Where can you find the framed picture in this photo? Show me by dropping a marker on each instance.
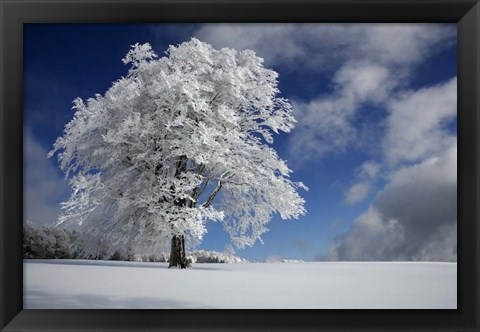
(401, 128)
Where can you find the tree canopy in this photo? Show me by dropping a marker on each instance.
(181, 140)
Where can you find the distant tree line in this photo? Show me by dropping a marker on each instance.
(50, 242)
(204, 256)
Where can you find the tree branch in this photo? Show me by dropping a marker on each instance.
(198, 192)
(212, 195)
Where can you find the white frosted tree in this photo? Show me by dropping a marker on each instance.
(181, 140)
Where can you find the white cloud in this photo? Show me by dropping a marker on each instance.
(326, 124)
(323, 126)
(364, 180)
(404, 44)
(44, 186)
(277, 43)
(368, 170)
(357, 193)
(413, 218)
(416, 126)
(326, 46)
(363, 81)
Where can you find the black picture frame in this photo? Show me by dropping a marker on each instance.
(14, 13)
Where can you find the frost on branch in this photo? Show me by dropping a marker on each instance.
(181, 140)
(139, 54)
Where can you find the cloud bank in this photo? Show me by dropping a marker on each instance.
(413, 218)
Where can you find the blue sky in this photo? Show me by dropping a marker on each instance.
(375, 139)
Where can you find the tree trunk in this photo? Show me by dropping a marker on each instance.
(178, 257)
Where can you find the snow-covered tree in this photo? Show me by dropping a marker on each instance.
(181, 140)
(46, 242)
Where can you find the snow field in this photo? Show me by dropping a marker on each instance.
(62, 284)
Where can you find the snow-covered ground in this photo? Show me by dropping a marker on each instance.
(346, 285)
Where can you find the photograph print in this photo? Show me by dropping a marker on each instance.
(240, 166)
